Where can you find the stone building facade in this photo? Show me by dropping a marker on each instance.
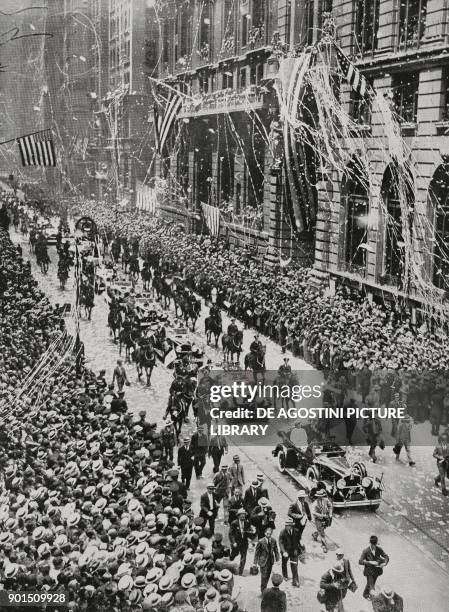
(219, 53)
(401, 48)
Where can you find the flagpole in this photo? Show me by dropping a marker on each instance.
(18, 137)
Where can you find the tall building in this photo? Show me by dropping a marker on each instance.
(22, 80)
(218, 55)
(126, 104)
(402, 51)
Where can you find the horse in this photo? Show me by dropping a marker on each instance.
(114, 321)
(192, 309)
(126, 339)
(213, 327)
(162, 290)
(145, 359)
(176, 408)
(256, 363)
(42, 258)
(87, 297)
(232, 345)
(146, 276)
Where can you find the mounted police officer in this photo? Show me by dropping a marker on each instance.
(285, 370)
(232, 329)
(256, 346)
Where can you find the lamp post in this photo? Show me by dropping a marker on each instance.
(85, 229)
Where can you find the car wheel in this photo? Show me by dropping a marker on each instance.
(359, 469)
(281, 462)
(312, 473)
(374, 507)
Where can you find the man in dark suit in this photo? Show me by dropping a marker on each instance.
(235, 504)
(199, 445)
(262, 489)
(274, 600)
(239, 534)
(374, 559)
(185, 462)
(299, 511)
(267, 553)
(251, 497)
(237, 474)
(290, 547)
(209, 506)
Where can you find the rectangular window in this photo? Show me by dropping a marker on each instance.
(242, 78)
(405, 96)
(228, 79)
(245, 28)
(308, 13)
(203, 83)
(412, 22)
(253, 75)
(445, 94)
(366, 26)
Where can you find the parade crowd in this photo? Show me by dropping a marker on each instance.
(90, 507)
(94, 505)
(368, 342)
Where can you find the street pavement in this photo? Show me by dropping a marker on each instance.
(412, 524)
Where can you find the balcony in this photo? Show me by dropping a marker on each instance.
(225, 101)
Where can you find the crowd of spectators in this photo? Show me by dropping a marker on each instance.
(337, 332)
(89, 506)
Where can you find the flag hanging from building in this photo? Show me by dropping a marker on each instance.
(37, 149)
(212, 217)
(165, 114)
(146, 198)
(352, 74)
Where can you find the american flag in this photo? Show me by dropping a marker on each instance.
(212, 217)
(37, 149)
(164, 118)
(352, 75)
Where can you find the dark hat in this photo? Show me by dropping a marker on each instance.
(276, 579)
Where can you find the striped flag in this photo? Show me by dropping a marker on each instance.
(165, 117)
(37, 149)
(212, 216)
(351, 74)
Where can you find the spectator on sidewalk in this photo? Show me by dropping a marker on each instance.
(387, 600)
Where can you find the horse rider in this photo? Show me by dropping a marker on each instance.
(285, 370)
(214, 311)
(256, 346)
(232, 329)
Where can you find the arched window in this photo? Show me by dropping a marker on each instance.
(439, 200)
(394, 227)
(356, 200)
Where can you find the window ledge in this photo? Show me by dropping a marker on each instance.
(442, 127)
(408, 128)
(364, 128)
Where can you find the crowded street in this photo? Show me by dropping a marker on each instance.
(224, 306)
(412, 519)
